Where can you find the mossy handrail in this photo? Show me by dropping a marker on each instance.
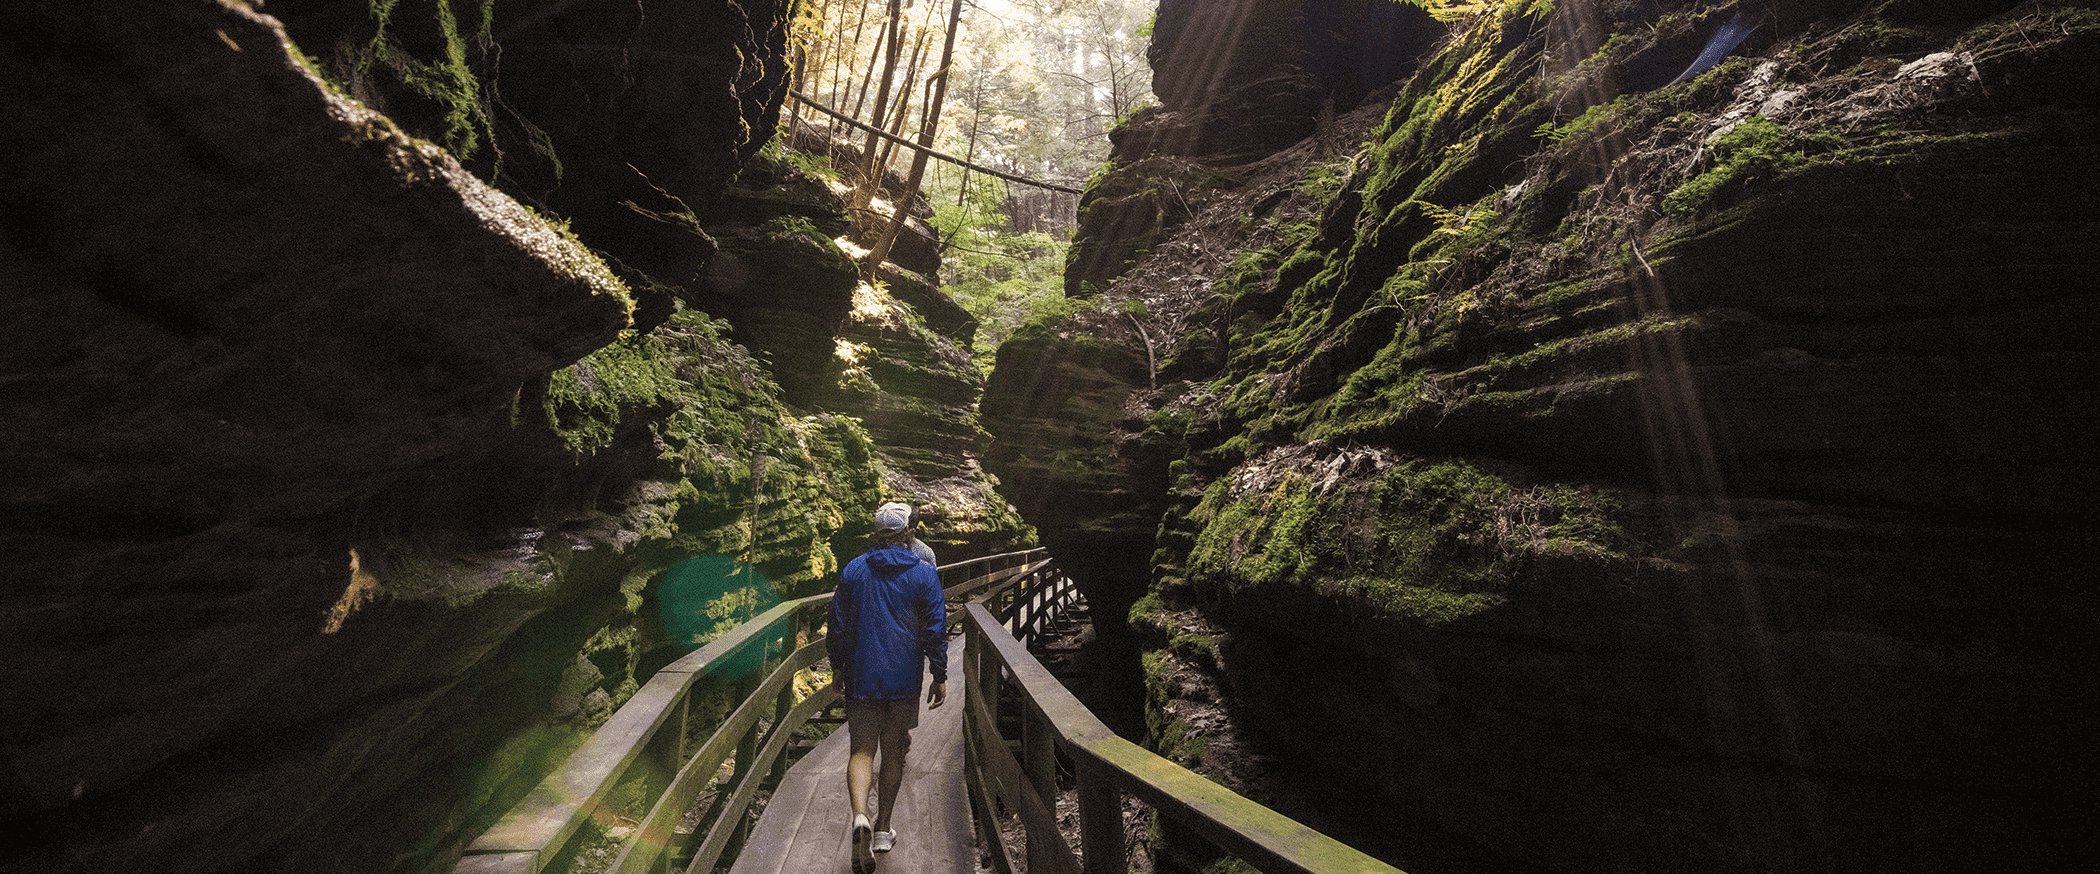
(1107, 767)
(542, 825)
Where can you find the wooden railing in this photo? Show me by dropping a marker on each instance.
(646, 738)
(1106, 768)
(1008, 601)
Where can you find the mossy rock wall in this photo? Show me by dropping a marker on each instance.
(358, 460)
(1585, 472)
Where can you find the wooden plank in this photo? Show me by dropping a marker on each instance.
(718, 837)
(782, 826)
(805, 827)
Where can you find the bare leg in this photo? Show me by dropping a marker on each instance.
(896, 742)
(860, 770)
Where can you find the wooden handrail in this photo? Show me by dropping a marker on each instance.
(926, 150)
(990, 584)
(536, 831)
(524, 840)
(1004, 562)
(1108, 765)
(651, 846)
(541, 826)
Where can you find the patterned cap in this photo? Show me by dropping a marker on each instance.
(892, 518)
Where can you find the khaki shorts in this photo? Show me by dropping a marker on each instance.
(876, 719)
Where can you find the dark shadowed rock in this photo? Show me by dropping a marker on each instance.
(299, 290)
(340, 500)
(240, 306)
(1587, 479)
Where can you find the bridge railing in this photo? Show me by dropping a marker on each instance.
(647, 738)
(1107, 767)
(1025, 598)
(1007, 600)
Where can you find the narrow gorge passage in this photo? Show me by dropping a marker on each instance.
(1527, 435)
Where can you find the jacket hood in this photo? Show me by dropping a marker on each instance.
(890, 559)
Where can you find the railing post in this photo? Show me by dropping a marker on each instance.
(1024, 616)
(1100, 824)
(786, 701)
(668, 752)
(988, 681)
(1039, 762)
(747, 753)
(1030, 608)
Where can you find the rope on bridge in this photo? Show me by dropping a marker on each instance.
(931, 152)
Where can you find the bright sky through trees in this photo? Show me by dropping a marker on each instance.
(1034, 87)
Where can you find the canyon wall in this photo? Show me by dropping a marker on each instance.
(1572, 458)
(370, 371)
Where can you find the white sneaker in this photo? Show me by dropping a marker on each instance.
(863, 859)
(885, 840)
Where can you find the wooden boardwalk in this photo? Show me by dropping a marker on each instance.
(804, 829)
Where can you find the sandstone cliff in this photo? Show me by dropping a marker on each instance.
(1550, 467)
(370, 371)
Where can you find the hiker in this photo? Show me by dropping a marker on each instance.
(919, 547)
(889, 624)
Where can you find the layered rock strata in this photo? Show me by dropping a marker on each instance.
(369, 377)
(1589, 478)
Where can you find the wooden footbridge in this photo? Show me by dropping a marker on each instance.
(965, 776)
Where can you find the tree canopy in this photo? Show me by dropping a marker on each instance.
(1031, 88)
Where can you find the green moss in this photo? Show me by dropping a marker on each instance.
(815, 166)
(1757, 148)
(1593, 122)
(1324, 180)
(1425, 542)
(447, 79)
(1170, 736)
(585, 401)
(1198, 649)
(737, 473)
(1149, 616)
(1230, 865)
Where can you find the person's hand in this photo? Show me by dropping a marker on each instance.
(937, 694)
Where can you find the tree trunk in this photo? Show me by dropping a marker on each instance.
(891, 46)
(962, 194)
(897, 115)
(860, 100)
(882, 247)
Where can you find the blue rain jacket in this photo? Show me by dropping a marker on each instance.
(888, 622)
